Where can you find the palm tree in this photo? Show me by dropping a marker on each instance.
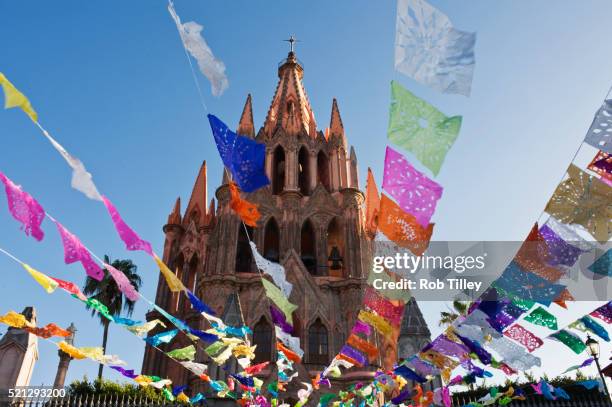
(107, 292)
(460, 308)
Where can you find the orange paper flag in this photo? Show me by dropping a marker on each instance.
(402, 227)
(363, 346)
(533, 256)
(244, 209)
(48, 331)
(372, 201)
(291, 355)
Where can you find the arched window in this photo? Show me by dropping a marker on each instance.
(278, 170)
(271, 249)
(335, 248)
(318, 349)
(304, 171)
(323, 170)
(308, 247)
(244, 257)
(262, 337)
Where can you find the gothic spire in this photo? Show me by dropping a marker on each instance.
(290, 108)
(246, 126)
(175, 216)
(199, 196)
(413, 322)
(335, 124)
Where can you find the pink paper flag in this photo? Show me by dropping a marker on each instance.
(524, 337)
(414, 191)
(123, 283)
(75, 251)
(24, 208)
(130, 238)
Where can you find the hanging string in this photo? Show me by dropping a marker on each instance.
(193, 74)
(582, 143)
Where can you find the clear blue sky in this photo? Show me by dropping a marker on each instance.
(111, 82)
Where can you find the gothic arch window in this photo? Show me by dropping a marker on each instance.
(318, 345)
(244, 257)
(262, 337)
(323, 170)
(308, 251)
(335, 247)
(278, 170)
(271, 249)
(304, 171)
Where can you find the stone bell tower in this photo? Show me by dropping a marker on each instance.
(312, 222)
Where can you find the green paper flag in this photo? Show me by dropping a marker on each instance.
(540, 316)
(275, 294)
(186, 353)
(215, 348)
(420, 128)
(325, 399)
(168, 394)
(101, 308)
(570, 340)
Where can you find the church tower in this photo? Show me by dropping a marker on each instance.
(312, 222)
(18, 354)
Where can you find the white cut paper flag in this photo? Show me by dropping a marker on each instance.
(274, 270)
(431, 51)
(194, 43)
(289, 341)
(81, 179)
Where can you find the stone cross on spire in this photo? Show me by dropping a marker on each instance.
(292, 40)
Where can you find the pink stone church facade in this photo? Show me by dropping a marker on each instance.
(312, 223)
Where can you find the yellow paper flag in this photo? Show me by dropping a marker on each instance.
(47, 283)
(71, 350)
(14, 98)
(279, 299)
(15, 320)
(174, 284)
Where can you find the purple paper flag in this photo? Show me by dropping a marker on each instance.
(361, 327)
(127, 373)
(354, 354)
(414, 191)
(24, 208)
(130, 238)
(75, 251)
(278, 318)
(559, 251)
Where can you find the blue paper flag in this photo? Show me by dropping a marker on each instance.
(126, 321)
(595, 327)
(198, 304)
(205, 336)
(408, 374)
(197, 398)
(177, 390)
(603, 265)
(162, 337)
(527, 286)
(243, 157)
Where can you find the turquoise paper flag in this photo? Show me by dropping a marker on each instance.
(420, 128)
(162, 337)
